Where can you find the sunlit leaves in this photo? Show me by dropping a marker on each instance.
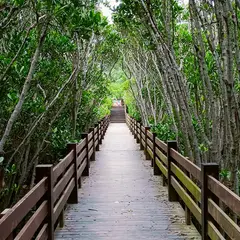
(71, 25)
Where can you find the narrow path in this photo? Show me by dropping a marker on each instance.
(122, 200)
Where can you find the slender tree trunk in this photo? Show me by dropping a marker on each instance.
(25, 89)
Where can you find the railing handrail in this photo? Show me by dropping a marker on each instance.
(198, 188)
(42, 208)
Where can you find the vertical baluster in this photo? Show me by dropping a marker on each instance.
(172, 194)
(86, 170)
(41, 172)
(207, 169)
(147, 155)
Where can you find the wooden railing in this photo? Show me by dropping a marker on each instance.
(198, 188)
(39, 212)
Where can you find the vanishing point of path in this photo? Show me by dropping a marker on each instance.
(122, 200)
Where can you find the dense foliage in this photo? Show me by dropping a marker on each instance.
(62, 64)
(54, 82)
(182, 62)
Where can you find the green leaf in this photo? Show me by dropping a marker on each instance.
(13, 168)
(97, 17)
(9, 96)
(21, 69)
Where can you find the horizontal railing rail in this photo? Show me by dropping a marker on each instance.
(204, 197)
(38, 213)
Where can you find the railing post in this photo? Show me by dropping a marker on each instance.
(97, 126)
(41, 172)
(154, 150)
(104, 125)
(207, 169)
(100, 132)
(137, 131)
(187, 210)
(135, 122)
(132, 126)
(134, 129)
(73, 198)
(131, 121)
(156, 170)
(172, 194)
(86, 170)
(103, 128)
(141, 138)
(93, 157)
(147, 155)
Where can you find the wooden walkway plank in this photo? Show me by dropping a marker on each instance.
(118, 114)
(122, 200)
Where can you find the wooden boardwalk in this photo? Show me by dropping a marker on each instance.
(122, 200)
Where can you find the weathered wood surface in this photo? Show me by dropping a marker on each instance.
(123, 200)
(118, 115)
